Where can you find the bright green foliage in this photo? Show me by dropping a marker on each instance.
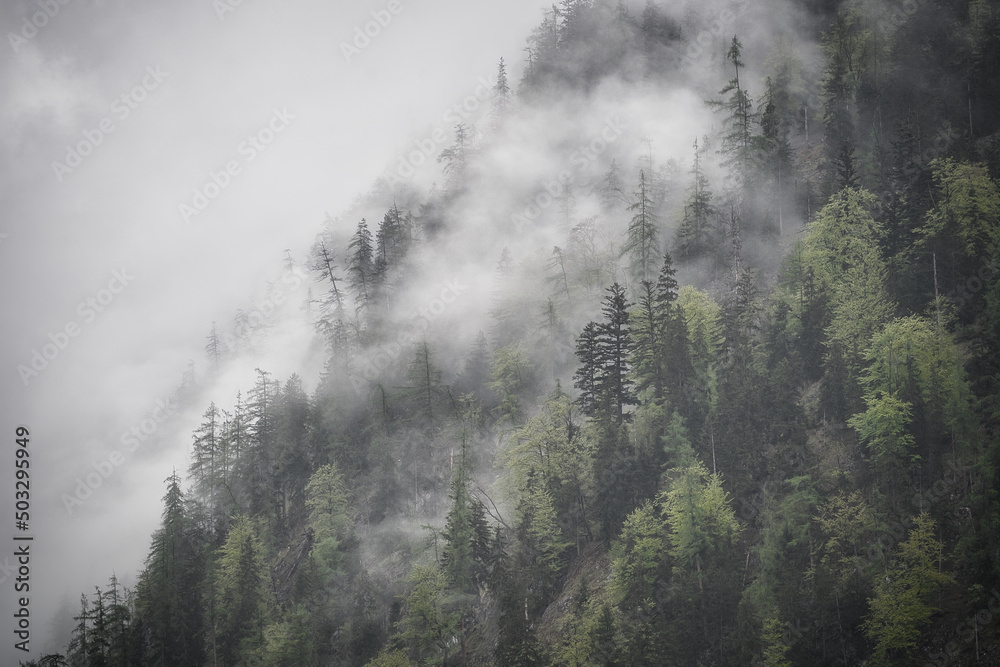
(387, 658)
(552, 446)
(860, 304)
(843, 235)
(638, 554)
(427, 626)
(775, 645)
(703, 318)
(326, 502)
(242, 592)
(541, 540)
(841, 253)
(699, 516)
(882, 427)
(509, 377)
(918, 361)
(288, 642)
(962, 226)
(902, 603)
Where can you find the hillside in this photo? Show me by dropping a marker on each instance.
(688, 356)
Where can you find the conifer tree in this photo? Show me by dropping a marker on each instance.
(242, 598)
(614, 345)
(695, 236)
(737, 142)
(641, 245)
(166, 598)
(501, 92)
(466, 534)
(362, 266)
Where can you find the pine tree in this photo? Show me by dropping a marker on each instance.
(214, 347)
(695, 236)
(79, 650)
(424, 389)
(614, 345)
(166, 598)
(206, 462)
(588, 373)
(241, 594)
(501, 92)
(331, 320)
(641, 246)
(455, 156)
(362, 266)
(612, 191)
(293, 460)
(465, 533)
(737, 142)
(258, 460)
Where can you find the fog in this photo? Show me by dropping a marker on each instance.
(221, 70)
(221, 135)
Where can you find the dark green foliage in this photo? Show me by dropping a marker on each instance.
(757, 467)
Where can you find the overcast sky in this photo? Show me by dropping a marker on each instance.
(115, 113)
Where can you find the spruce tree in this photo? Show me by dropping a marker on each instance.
(641, 245)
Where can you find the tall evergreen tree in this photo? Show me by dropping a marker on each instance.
(362, 266)
(167, 599)
(641, 245)
(696, 236)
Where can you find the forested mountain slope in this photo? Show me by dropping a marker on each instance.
(725, 393)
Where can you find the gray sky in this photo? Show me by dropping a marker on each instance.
(155, 99)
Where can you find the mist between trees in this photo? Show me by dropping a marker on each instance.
(731, 401)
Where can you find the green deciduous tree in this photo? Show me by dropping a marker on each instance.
(902, 603)
(427, 626)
